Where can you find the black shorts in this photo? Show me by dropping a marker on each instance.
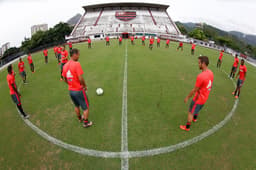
(234, 69)
(23, 74)
(240, 83)
(195, 108)
(16, 99)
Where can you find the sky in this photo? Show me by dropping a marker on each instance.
(19, 15)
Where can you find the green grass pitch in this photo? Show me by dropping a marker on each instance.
(158, 82)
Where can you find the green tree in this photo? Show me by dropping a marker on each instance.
(197, 34)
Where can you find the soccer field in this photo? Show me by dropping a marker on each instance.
(157, 83)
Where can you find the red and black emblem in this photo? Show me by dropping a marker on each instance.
(126, 15)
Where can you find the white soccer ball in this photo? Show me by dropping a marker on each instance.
(99, 91)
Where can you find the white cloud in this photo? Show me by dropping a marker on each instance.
(17, 16)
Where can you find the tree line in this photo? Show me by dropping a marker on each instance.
(209, 33)
(42, 39)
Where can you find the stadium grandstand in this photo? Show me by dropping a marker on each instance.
(116, 19)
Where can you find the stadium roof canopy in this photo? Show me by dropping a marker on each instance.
(126, 4)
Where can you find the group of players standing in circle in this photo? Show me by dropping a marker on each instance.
(72, 73)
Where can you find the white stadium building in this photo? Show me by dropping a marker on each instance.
(124, 19)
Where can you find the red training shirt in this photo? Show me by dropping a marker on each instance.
(242, 71)
(64, 55)
(21, 66)
(30, 61)
(204, 82)
(11, 80)
(221, 55)
(45, 52)
(236, 62)
(71, 71)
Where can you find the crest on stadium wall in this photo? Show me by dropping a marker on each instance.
(125, 15)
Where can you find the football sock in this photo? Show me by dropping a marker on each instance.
(21, 110)
(195, 116)
(86, 121)
(188, 125)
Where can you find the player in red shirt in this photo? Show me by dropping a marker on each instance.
(180, 46)
(55, 49)
(107, 41)
(167, 43)
(234, 67)
(15, 95)
(120, 40)
(151, 43)
(89, 43)
(242, 75)
(21, 66)
(73, 76)
(45, 55)
(201, 90)
(193, 47)
(70, 45)
(132, 40)
(64, 60)
(31, 64)
(59, 49)
(143, 40)
(219, 62)
(158, 42)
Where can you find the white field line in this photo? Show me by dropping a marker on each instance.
(124, 155)
(124, 147)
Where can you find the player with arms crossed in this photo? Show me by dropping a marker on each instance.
(73, 76)
(242, 75)
(201, 90)
(15, 95)
(234, 67)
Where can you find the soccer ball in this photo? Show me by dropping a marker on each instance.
(99, 91)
